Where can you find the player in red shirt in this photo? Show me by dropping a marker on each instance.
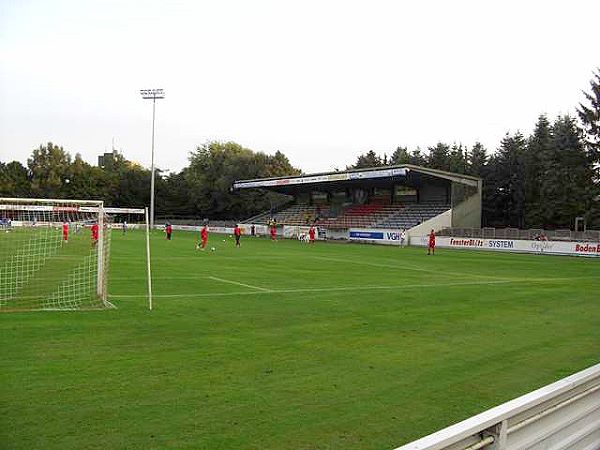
(168, 231)
(203, 238)
(237, 232)
(273, 230)
(431, 246)
(311, 235)
(95, 234)
(65, 230)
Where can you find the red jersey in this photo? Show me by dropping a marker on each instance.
(237, 231)
(169, 229)
(95, 232)
(432, 240)
(65, 228)
(311, 234)
(204, 233)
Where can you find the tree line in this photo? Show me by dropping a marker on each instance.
(202, 189)
(544, 180)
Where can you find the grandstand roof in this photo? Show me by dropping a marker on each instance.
(378, 175)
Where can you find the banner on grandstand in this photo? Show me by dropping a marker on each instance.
(378, 236)
(311, 179)
(515, 245)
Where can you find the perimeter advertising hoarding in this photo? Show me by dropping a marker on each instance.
(219, 230)
(259, 229)
(515, 245)
(378, 236)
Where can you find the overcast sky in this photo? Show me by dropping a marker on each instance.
(322, 81)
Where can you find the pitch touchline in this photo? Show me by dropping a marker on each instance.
(239, 284)
(330, 289)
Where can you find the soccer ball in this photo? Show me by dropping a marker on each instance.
(212, 249)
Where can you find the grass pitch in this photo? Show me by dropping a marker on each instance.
(282, 345)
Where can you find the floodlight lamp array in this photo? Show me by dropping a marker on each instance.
(152, 93)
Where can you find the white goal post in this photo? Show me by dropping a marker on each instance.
(54, 254)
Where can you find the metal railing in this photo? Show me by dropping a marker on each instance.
(562, 415)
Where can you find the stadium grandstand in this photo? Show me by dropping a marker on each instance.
(396, 197)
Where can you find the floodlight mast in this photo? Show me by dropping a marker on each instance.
(152, 94)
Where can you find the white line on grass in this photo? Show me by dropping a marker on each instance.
(325, 289)
(239, 284)
(402, 267)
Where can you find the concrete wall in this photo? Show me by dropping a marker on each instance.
(468, 213)
(436, 223)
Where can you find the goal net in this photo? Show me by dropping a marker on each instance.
(54, 254)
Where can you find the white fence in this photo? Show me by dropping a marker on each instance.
(562, 415)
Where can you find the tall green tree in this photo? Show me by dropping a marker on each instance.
(14, 180)
(369, 159)
(589, 115)
(49, 168)
(215, 166)
(457, 159)
(400, 156)
(536, 159)
(568, 184)
(505, 204)
(439, 156)
(477, 160)
(417, 157)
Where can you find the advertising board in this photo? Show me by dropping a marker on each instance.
(374, 235)
(515, 245)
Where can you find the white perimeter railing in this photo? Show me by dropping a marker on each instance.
(562, 415)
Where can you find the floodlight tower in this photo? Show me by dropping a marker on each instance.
(152, 94)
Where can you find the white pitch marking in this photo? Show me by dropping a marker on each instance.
(330, 289)
(239, 284)
(399, 266)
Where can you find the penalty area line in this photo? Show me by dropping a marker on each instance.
(222, 280)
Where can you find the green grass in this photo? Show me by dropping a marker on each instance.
(328, 346)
